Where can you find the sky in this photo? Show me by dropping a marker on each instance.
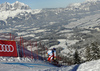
(39, 4)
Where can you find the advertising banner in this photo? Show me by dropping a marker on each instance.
(8, 48)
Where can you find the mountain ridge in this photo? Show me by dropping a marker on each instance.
(17, 5)
(46, 16)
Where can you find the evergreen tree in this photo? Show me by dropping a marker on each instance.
(88, 54)
(95, 51)
(76, 58)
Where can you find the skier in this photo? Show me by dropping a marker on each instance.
(52, 55)
(49, 52)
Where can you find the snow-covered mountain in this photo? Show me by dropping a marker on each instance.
(12, 10)
(91, 0)
(67, 26)
(46, 16)
(17, 5)
(18, 17)
(88, 5)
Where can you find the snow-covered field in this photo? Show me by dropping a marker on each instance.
(23, 64)
(64, 44)
(27, 64)
(85, 22)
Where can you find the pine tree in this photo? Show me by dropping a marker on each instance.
(96, 51)
(93, 52)
(88, 54)
(77, 59)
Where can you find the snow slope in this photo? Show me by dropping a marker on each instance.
(85, 22)
(64, 44)
(27, 64)
(90, 66)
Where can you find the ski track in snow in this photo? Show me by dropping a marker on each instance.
(27, 64)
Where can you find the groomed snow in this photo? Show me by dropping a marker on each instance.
(23, 64)
(90, 66)
(28, 64)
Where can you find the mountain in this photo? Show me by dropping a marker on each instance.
(90, 5)
(48, 19)
(91, 0)
(75, 26)
(17, 5)
(45, 17)
(19, 15)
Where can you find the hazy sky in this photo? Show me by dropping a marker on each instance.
(38, 4)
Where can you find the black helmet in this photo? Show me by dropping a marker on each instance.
(54, 49)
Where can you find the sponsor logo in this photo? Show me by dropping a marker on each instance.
(6, 48)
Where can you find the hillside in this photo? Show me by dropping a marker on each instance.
(26, 64)
(75, 27)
